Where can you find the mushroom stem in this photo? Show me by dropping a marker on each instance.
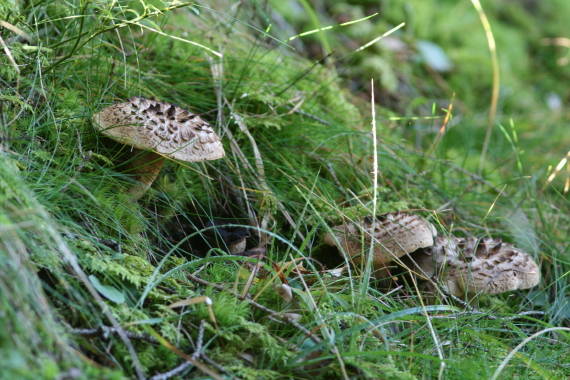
(146, 166)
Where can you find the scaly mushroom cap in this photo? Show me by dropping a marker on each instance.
(473, 266)
(160, 127)
(394, 235)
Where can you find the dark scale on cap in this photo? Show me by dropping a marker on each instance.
(171, 112)
(184, 120)
(153, 108)
(172, 128)
(381, 218)
(187, 135)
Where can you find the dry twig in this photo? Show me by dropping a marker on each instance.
(105, 331)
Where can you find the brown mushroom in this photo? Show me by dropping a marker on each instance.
(394, 235)
(160, 129)
(469, 266)
(234, 237)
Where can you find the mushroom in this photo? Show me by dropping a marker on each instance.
(394, 235)
(160, 129)
(467, 266)
(234, 238)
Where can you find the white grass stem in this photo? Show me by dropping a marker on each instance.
(329, 27)
(370, 43)
(369, 257)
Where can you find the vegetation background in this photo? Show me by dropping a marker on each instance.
(471, 122)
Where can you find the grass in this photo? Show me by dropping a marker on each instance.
(88, 277)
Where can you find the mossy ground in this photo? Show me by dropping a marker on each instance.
(77, 254)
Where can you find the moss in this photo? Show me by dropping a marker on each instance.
(63, 186)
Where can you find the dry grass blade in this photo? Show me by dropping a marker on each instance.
(191, 301)
(370, 43)
(564, 162)
(309, 32)
(196, 300)
(12, 61)
(15, 29)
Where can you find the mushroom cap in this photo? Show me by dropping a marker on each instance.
(472, 266)
(234, 237)
(394, 234)
(160, 127)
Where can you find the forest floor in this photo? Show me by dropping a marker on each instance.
(328, 112)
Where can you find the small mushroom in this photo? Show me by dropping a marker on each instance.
(234, 238)
(394, 235)
(160, 129)
(468, 266)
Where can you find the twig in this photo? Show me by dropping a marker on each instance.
(196, 355)
(259, 306)
(313, 117)
(209, 360)
(173, 372)
(199, 340)
(110, 243)
(105, 331)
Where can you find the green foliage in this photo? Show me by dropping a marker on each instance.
(77, 253)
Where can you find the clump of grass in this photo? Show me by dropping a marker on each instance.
(299, 158)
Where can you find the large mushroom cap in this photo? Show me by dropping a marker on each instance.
(160, 127)
(394, 235)
(473, 266)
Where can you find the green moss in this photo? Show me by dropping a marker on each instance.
(303, 157)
